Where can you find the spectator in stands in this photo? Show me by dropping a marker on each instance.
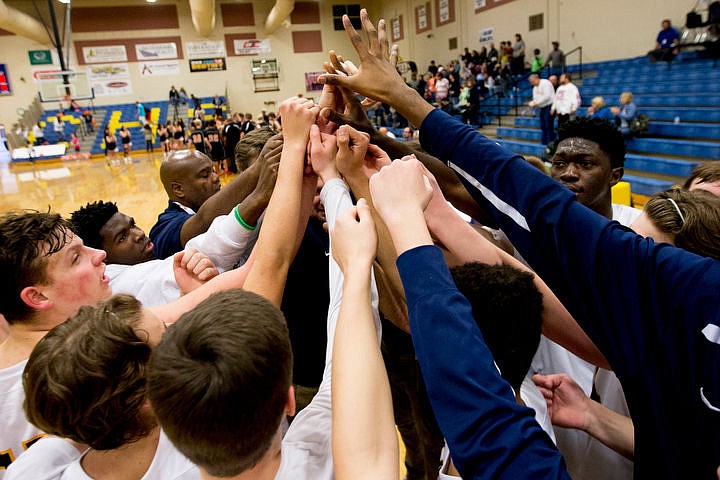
(537, 61)
(553, 79)
(432, 68)
(247, 125)
(59, 128)
(687, 219)
(493, 57)
(556, 60)
(38, 134)
(218, 103)
(625, 113)
(183, 96)
(197, 104)
(174, 96)
(75, 142)
(666, 43)
(442, 87)
(705, 176)
(407, 134)
(273, 122)
(567, 100)
(517, 65)
(598, 109)
(543, 97)
(89, 121)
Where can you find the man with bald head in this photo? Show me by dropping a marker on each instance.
(195, 197)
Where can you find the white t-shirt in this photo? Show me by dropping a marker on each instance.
(17, 432)
(307, 447)
(587, 458)
(226, 243)
(55, 459)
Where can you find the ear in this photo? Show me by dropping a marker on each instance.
(616, 175)
(177, 189)
(290, 404)
(34, 298)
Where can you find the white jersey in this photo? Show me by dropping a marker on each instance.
(56, 459)
(587, 458)
(17, 433)
(306, 447)
(226, 243)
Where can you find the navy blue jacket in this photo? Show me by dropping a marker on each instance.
(652, 309)
(165, 234)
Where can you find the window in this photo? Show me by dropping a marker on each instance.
(535, 22)
(352, 11)
(452, 43)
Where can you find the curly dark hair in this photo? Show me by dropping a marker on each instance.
(599, 131)
(86, 379)
(88, 220)
(27, 240)
(507, 307)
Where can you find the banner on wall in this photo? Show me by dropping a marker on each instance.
(479, 4)
(204, 50)
(311, 81)
(422, 17)
(486, 35)
(108, 72)
(162, 67)
(4, 81)
(106, 88)
(207, 65)
(251, 47)
(105, 54)
(155, 51)
(37, 71)
(444, 11)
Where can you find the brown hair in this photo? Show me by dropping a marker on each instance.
(219, 381)
(698, 229)
(250, 146)
(707, 172)
(27, 240)
(85, 380)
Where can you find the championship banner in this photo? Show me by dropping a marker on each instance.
(207, 65)
(105, 54)
(4, 82)
(251, 47)
(162, 67)
(155, 51)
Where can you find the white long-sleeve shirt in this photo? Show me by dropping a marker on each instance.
(543, 93)
(567, 99)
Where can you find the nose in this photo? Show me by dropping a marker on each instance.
(97, 255)
(569, 174)
(139, 234)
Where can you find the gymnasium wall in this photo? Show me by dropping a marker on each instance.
(606, 30)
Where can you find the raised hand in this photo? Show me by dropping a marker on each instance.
(354, 240)
(567, 403)
(323, 149)
(297, 114)
(400, 188)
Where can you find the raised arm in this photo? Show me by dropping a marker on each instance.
(364, 440)
(284, 213)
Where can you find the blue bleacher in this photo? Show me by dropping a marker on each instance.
(681, 101)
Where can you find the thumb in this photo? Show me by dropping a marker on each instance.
(315, 140)
(177, 259)
(363, 211)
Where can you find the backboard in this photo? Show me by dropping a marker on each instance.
(56, 86)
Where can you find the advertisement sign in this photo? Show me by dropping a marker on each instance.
(155, 51)
(207, 65)
(4, 81)
(107, 72)
(486, 35)
(251, 47)
(162, 67)
(206, 49)
(40, 57)
(104, 54)
(311, 82)
(106, 88)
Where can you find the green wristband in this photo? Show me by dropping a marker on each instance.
(240, 219)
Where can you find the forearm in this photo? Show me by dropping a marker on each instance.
(282, 218)
(612, 429)
(490, 435)
(220, 204)
(364, 438)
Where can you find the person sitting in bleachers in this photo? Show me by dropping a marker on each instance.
(666, 43)
(625, 113)
(598, 109)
